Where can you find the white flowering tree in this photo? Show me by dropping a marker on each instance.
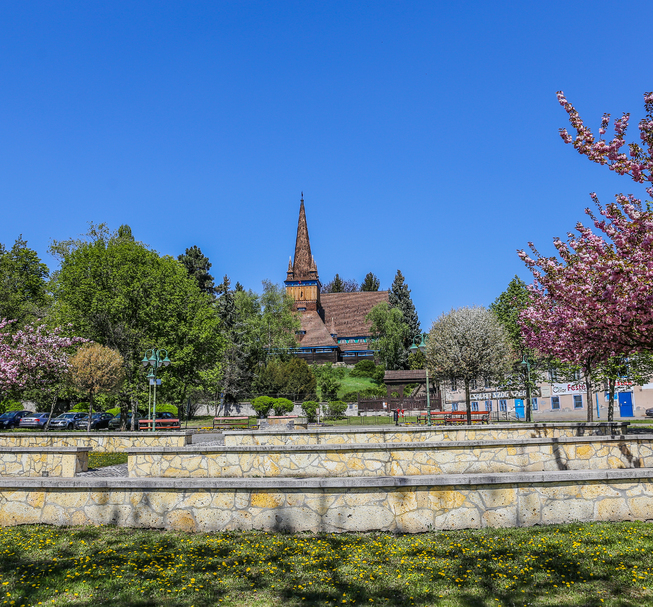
(467, 344)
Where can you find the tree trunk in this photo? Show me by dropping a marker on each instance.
(90, 410)
(468, 403)
(52, 406)
(611, 390)
(588, 392)
(529, 418)
(134, 427)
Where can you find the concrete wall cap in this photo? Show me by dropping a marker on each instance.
(443, 480)
(416, 446)
(44, 449)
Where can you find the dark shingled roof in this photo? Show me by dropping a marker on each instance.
(348, 310)
(317, 335)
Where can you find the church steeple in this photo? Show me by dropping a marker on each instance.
(303, 265)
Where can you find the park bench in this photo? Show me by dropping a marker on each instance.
(460, 417)
(159, 424)
(231, 422)
(437, 417)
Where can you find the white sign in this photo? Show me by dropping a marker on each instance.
(569, 388)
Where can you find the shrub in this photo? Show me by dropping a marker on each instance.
(262, 405)
(373, 392)
(363, 368)
(167, 408)
(282, 406)
(115, 411)
(9, 404)
(310, 408)
(337, 409)
(80, 408)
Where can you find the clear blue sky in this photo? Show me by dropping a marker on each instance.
(423, 134)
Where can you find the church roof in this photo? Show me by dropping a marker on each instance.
(347, 311)
(303, 263)
(317, 334)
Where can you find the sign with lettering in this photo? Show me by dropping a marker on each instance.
(568, 388)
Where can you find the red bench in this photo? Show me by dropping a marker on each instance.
(159, 424)
(455, 417)
(232, 422)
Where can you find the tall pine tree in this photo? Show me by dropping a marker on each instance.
(371, 282)
(399, 297)
(198, 265)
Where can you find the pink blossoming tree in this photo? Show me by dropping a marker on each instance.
(595, 300)
(34, 358)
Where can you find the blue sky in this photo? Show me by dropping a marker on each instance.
(424, 135)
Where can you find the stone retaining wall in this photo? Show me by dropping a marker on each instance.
(394, 434)
(396, 459)
(100, 442)
(400, 504)
(43, 461)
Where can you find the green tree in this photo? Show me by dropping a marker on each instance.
(198, 265)
(335, 286)
(371, 282)
(117, 292)
(23, 286)
(390, 334)
(399, 298)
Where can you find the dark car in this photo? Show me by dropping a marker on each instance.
(66, 421)
(34, 420)
(98, 421)
(114, 424)
(649, 412)
(11, 419)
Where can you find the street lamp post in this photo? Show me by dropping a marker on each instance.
(527, 364)
(422, 349)
(155, 358)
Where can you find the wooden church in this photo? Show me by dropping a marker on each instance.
(333, 325)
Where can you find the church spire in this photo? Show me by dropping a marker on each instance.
(303, 262)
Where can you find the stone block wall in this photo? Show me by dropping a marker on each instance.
(396, 459)
(394, 434)
(407, 505)
(100, 442)
(43, 461)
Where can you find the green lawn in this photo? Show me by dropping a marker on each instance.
(354, 384)
(102, 460)
(578, 564)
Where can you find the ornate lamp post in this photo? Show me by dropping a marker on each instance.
(155, 358)
(422, 349)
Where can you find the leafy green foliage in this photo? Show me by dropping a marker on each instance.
(352, 397)
(23, 287)
(336, 409)
(507, 308)
(293, 379)
(328, 378)
(9, 404)
(282, 406)
(363, 368)
(371, 282)
(338, 285)
(81, 407)
(262, 405)
(416, 360)
(114, 411)
(390, 334)
(167, 408)
(310, 408)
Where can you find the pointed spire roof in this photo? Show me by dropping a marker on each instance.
(303, 262)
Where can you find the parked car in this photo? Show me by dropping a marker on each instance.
(66, 421)
(114, 424)
(34, 420)
(649, 412)
(11, 419)
(99, 420)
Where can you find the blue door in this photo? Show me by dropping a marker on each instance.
(625, 404)
(519, 408)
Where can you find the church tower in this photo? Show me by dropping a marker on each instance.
(302, 280)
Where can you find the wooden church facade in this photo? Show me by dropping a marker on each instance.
(333, 325)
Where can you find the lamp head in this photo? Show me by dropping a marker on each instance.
(145, 361)
(166, 360)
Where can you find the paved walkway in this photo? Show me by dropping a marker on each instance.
(107, 471)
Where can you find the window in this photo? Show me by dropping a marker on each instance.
(475, 406)
(534, 404)
(578, 401)
(577, 375)
(301, 309)
(503, 405)
(488, 384)
(555, 402)
(355, 341)
(454, 386)
(553, 374)
(488, 405)
(454, 406)
(473, 384)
